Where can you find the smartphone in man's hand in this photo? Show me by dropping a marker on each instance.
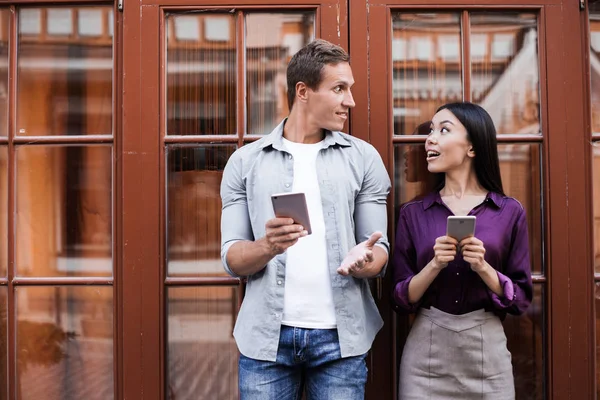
(292, 205)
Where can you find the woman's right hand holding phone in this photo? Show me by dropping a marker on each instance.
(444, 251)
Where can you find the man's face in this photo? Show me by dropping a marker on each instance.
(329, 104)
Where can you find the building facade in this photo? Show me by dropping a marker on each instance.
(117, 119)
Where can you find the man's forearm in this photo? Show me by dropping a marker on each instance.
(248, 257)
(380, 258)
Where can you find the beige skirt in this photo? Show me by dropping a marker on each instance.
(456, 357)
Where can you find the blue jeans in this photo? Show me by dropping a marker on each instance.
(305, 358)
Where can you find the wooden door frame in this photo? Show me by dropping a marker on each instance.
(143, 275)
(570, 322)
(568, 252)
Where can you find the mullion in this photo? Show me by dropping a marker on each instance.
(502, 139)
(62, 139)
(62, 281)
(465, 33)
(212, 139)
(10, 303)
(202, 281)
(241, 76)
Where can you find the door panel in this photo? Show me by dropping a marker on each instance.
(57, 180)
(495, 56)
(213, 80)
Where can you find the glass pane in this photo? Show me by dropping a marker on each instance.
(202, 356)
(521, 170)
(596, 203)
(194, 209)
(505, 77)
(201, 74)
(526, 342)
(65, 342)
(64, 81)
(64, 211)
(520, 166)
(3, 210)
(3, 343)
(427, 71)
(597, 297)
(271, 41)
(4, 32)
(411, 177)
(594, 15)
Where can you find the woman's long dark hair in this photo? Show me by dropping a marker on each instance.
(482, 135)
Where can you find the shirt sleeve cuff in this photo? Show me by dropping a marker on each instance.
(401, 302)
(381, 273)
(509, 292)
(224, 251)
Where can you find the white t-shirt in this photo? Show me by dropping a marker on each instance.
(308, 300)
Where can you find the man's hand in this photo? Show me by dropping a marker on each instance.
(282, 233)
(359, 256)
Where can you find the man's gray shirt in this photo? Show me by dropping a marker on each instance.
(354, 186)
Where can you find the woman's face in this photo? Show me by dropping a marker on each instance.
(447, 147)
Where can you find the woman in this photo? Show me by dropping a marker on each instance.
(461, 291)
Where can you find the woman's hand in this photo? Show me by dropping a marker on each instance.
(473, 251)
(445, 251)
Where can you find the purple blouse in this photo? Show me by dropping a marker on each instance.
(501, 226)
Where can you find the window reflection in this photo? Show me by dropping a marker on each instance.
(194, 209)
(201, 74)
(594, 24)
(3, 343)
(64, 77)
(4, 34)
(271, 41)
(596, 202)
(411, 177)
(427, 69)
(202, 355)
(597, 319)
(505, 70)
(3, 210)
(526, 342)
(64, 343)
(521, 170)
(64, 210)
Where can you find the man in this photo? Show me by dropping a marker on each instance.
(308, 318)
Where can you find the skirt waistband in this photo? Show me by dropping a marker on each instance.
(458, 323)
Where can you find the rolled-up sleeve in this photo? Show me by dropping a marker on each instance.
(404, 266)
(515, 279)
(370, 214)
(235, 219)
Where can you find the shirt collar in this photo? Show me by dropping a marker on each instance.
(434, 197)
(274, 139)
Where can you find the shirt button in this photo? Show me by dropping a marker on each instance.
(279, 282)
(458, 273)
(456, 301)
(276, 315)
(287, 185)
